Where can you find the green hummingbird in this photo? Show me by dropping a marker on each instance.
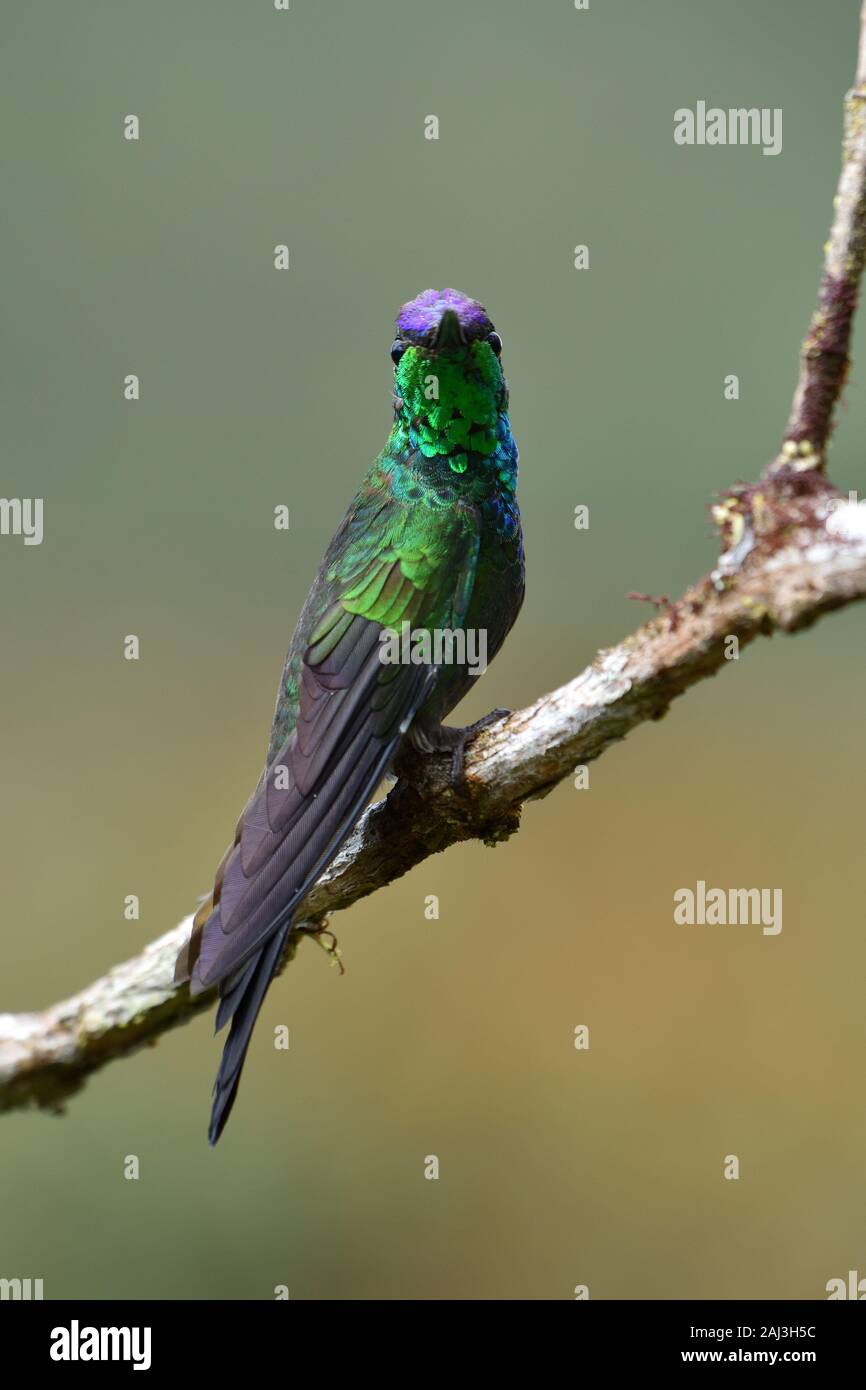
(431, 547)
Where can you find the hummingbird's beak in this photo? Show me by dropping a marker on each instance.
(449, 334)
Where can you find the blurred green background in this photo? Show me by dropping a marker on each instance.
(258, 388)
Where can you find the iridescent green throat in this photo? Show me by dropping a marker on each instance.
(449, 405)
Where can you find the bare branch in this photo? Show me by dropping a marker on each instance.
(824, 358)
(792, 550)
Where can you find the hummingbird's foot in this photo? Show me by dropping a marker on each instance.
(318, 932)
(458, 753)
(443, 738)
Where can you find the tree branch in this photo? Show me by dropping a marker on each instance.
(792, 550)
(824, 359)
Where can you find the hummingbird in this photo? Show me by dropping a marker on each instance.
(432, 544)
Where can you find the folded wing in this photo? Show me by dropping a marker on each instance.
(352, 711)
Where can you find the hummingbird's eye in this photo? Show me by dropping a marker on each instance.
(397, 350)
(495, 342)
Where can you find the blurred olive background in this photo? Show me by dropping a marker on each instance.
(454, 1037)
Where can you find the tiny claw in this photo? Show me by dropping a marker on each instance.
(458, 766)
(330, 947)
(458, 757)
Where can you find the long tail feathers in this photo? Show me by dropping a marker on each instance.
(241, 1001)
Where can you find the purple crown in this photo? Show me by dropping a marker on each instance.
(421, 315)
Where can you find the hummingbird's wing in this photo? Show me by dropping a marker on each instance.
(352, 711)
